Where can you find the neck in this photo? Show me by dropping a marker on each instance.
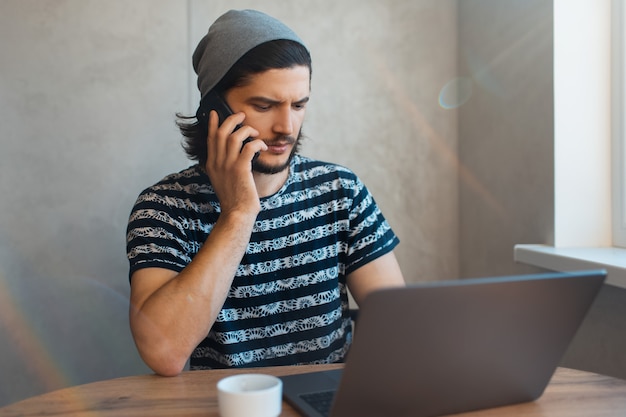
(268, 184)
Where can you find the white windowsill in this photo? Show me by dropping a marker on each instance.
(569, 259)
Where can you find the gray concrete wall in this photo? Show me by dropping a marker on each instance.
(88, 92)
(506, 132)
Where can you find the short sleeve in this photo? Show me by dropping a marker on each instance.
(370, 233)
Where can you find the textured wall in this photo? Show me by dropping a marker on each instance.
(88, 90)
(506, 132)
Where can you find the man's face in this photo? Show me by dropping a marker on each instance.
(274, 102)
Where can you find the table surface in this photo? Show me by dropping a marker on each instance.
(571, 393)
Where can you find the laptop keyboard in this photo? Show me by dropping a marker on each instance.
(320, 401)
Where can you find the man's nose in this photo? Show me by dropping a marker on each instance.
(283, 123)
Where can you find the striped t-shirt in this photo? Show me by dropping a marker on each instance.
(288, 302)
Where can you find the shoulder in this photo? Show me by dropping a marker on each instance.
(190, 181)
(308, 168)
(327, 180)
(188, 189)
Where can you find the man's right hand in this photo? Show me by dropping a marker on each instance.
(229, 163)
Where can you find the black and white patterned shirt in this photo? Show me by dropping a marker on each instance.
(288, 302)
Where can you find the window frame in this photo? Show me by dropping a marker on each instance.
(618, 142)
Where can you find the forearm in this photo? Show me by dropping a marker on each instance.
(173, 319)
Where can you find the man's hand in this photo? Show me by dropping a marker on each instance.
(229, 163)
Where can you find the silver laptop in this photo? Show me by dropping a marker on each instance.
(448, 347)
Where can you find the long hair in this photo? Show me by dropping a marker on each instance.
(278, 54)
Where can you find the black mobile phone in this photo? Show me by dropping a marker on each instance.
(214, 101)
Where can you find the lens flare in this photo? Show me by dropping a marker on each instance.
(455, 93)
(446, 152)
(15, 325)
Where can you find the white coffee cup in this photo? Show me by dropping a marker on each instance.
(250, 395)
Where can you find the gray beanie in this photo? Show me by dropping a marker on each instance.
(229, 38)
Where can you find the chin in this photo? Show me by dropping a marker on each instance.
(263, 167)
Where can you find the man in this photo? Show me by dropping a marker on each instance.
(233, 266)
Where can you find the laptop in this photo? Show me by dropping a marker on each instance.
(446, 347)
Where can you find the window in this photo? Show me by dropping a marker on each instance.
(590, 141)
(582, 123)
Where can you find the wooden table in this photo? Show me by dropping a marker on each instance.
(570, 394)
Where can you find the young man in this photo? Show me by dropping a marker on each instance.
(244, 259)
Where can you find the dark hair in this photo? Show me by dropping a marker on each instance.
(275, 54)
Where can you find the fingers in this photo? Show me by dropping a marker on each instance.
(252, 148)
(229, 166)
(212, 143)
(225, 142)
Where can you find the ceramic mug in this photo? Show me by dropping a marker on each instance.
(250, 395)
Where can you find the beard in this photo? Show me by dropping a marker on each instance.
(262, 168)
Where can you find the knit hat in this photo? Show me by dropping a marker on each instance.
(229, 38)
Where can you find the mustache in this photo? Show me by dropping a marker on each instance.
(290, 140)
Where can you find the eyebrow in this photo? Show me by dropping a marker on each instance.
(266, 100)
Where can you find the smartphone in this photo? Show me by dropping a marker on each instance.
(214, 101)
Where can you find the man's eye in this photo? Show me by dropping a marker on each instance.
(261, 107)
